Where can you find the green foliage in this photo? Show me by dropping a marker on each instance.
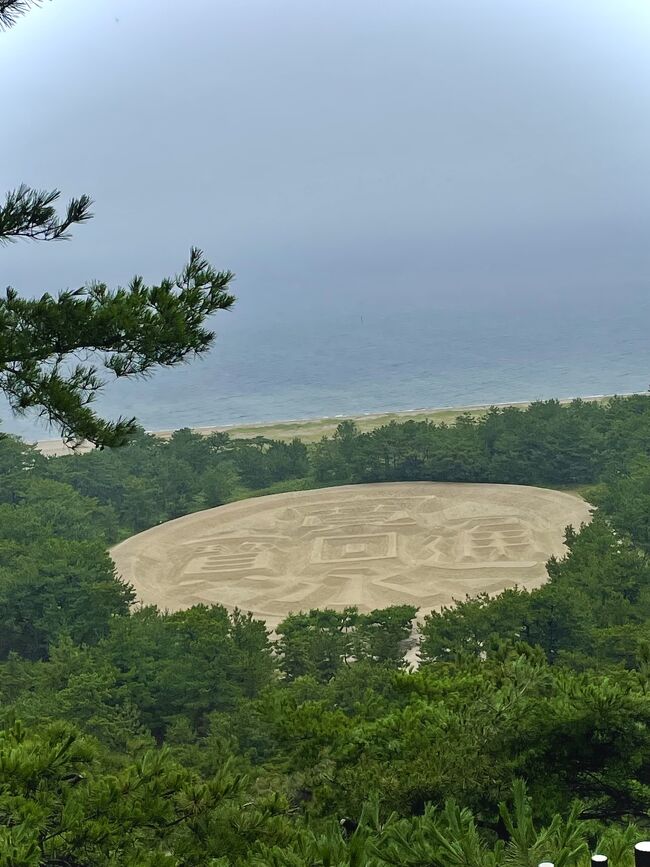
(320, 643)
(194, 739)
(55, 575)
(60, 805)
(152, 480)
(546, 444)
(602, 586)
(188, 664)
(130, 330)
(51, 348)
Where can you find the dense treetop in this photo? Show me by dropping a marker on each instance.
(145, 737)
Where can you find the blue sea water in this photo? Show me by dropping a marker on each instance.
(343, 362)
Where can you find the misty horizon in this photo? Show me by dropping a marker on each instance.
(328, 152)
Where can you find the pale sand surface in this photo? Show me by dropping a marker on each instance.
(312, 430)
(422, 543)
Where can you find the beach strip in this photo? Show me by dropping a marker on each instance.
(313, 429)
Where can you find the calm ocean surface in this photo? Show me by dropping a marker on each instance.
(374, 361)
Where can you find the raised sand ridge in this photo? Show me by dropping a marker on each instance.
(422, 543)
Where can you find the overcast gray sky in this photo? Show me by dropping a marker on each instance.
(338, 151)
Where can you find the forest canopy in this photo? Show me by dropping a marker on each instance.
(135, 736)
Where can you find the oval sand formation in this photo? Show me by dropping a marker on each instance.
(419, 543)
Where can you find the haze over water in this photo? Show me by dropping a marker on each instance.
(379, 361)
(425, 204)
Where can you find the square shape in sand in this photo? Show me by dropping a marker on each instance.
(344, 549)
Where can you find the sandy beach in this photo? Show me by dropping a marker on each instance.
(311, 430)
(420, 543)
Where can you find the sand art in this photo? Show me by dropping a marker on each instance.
(422, 543)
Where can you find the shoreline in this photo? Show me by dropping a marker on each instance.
(313, 429)
(371, 416)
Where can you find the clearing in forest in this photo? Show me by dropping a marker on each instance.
(418, 543)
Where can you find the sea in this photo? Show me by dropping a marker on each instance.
(345, 362)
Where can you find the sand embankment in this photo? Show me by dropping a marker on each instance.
(421, 543)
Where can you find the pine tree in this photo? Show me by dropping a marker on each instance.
(52, 348)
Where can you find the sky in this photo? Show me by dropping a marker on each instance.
(339, 153)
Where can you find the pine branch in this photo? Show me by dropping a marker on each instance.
(130, 330)
(11, 10)
(30, 213)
